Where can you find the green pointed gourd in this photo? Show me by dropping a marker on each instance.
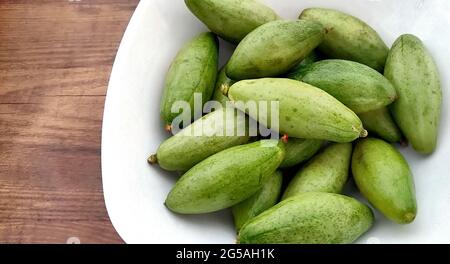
(226, 178)
(264, 199)
(304, 110)
(414, 74)
(326, 172)
(216, 131)
(231, 19)
(380, 123)
(383, 176)
(299, 150)
(309, 218)
(193, 70)
(223, 83)
(356, 85)
(274, 48)
(348, 38)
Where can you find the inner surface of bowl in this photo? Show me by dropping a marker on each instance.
(132, 129)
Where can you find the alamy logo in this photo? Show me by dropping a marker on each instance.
(262, 118)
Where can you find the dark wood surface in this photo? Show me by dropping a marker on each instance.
(55, 61)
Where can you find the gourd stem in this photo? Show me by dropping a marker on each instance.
(153, 159)
(168, 128)
(364, 133)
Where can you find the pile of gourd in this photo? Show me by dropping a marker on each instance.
(335, 81)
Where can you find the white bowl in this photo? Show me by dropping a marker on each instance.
(132, 130)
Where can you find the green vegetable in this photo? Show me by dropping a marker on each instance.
(193, 70)
(309, 218)
(212, 133)
(384, 178)
(264, 199)
(326, 172)
(274, 49)
(414, 74)
(348, 38)
(299, 150)
(356, 85)
(226, 178)
(380, 123)
(231, 19)
(304, 110)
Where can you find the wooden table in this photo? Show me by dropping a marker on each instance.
(55, 61)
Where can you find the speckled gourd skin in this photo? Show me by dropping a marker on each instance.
(264, 199)
(309, 218)
(327, 172)
(274, 48)
(222, 80)
(182, 151)
(383, 176)
(226, 178)
(299, 150)
(356, 85)
(349, 38)
(380, 123)
(308, 60)
(414, 74)
(304, 110)
(193, 70)
(231, 19)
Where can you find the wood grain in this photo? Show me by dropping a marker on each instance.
(55, 61)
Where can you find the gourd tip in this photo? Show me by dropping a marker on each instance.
(168, 128)
(409, 217)
(153, 159)
(224, 88)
